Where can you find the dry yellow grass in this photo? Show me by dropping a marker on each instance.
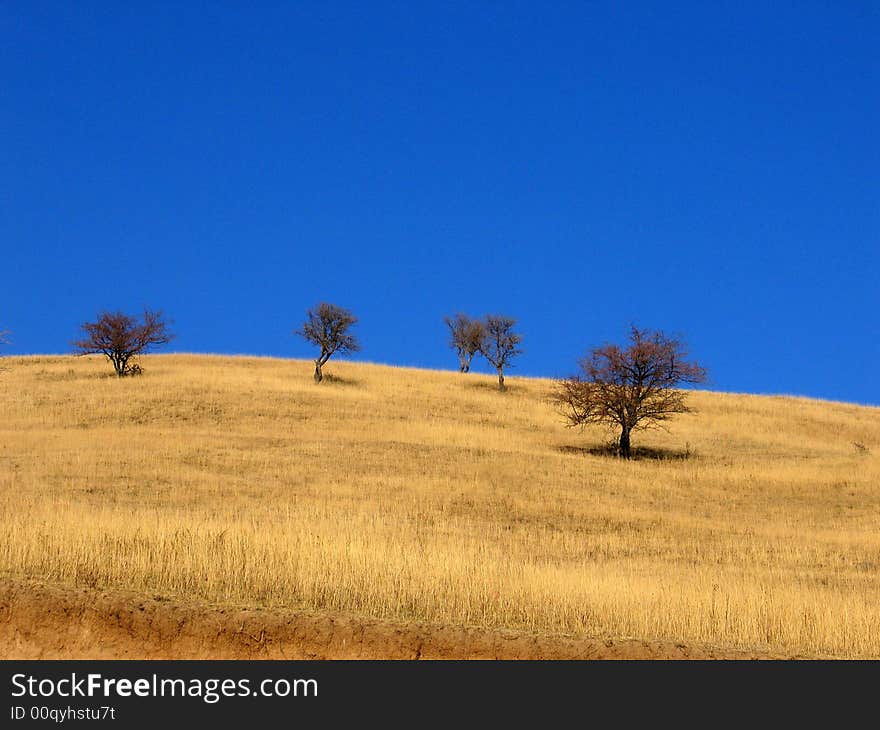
(415, 494)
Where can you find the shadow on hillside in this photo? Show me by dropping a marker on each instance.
(493, 387)
(71, 374)
(331, 379)
(639, 453)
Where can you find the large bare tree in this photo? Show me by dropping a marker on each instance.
(327, 326)
(121, 337)
(500, 344)
(466, 336)
(631, 388)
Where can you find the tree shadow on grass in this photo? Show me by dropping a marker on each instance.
(331, 379)
(70, 374)
(638, 453)
(493, 387)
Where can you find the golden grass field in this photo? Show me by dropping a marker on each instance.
(427, 496)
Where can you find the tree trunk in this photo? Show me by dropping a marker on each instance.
(463, 365)
(319, 375)
(624, 449)
(501, 385)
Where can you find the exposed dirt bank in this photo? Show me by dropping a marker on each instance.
(40, 621)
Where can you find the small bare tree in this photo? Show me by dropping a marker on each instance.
(466, 336)
(630, 388)
(327, 326)
(4, 340)
(500, 344)
(121, 337)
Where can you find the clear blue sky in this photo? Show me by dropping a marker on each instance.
(704, 168)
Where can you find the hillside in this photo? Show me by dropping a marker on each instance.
(423, 502)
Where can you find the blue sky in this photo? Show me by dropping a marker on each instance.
(705, 168)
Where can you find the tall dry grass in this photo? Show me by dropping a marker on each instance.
(424, 495)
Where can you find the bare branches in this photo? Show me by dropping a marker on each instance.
(633, 388)
(492, 337)
(327, 326)
(4, 340)
(466, 337)
(121, 337)
(500, 344)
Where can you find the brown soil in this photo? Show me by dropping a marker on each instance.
(39, 621)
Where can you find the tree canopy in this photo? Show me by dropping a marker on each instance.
(121, 337)
(632, 387)
(328, 327)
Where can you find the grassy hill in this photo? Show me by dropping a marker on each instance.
(428, 497)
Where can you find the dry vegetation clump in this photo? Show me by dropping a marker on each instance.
(419, 495)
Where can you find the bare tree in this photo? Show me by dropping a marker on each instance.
(630, 388)
(500, 344)
(4, 340)
(121, 337)
(466, 336)
(327, 326)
